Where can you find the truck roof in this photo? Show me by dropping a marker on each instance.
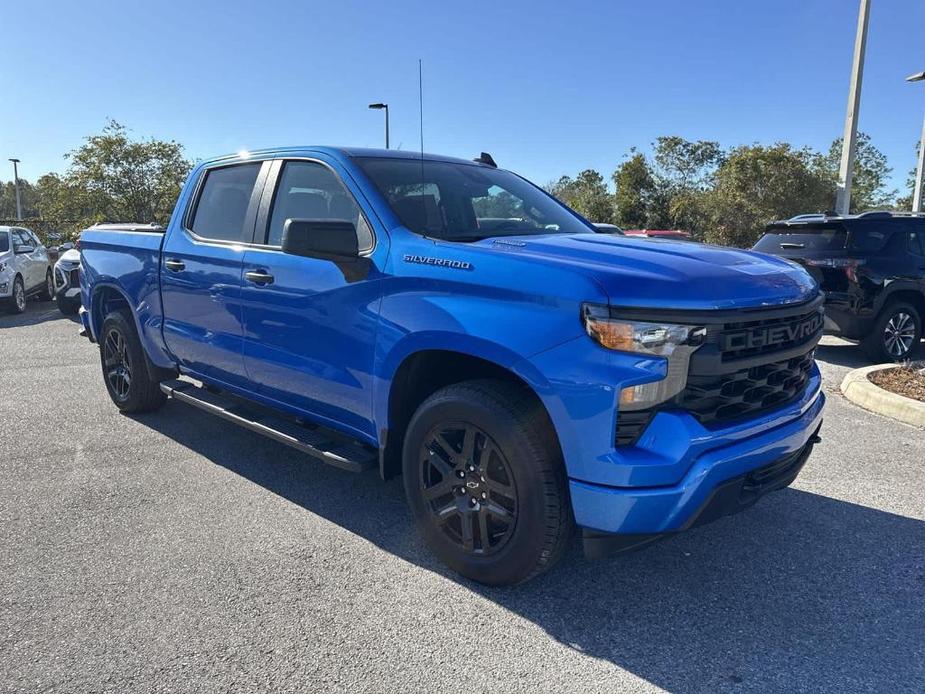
(351, 152)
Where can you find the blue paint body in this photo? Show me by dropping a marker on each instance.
(327, 349)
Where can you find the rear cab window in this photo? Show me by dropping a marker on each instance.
(221, 211)
(803, 238)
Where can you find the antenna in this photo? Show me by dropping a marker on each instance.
(421, 101)
(421, 113)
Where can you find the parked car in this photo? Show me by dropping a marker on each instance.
(872, 269)
(521, 379)
(67, 280)
(24, 268)
(675, 234)
(603, 228)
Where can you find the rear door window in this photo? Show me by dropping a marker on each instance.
(917, 243)
(221, 211)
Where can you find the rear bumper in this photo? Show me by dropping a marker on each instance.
(720, 481)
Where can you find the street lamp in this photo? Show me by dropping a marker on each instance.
(16, 185)
(920, 169)
(379, 107)
(850, 139)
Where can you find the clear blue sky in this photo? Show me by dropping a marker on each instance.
(546, 87)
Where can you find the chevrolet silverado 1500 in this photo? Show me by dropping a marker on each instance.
(448, 321)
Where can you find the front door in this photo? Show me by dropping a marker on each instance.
(310, 323)
(201, 267)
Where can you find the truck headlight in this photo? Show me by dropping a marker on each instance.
(673, 342)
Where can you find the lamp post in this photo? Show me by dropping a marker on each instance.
(379, 107)
(850, 139)
(920, 169)
(16, 186)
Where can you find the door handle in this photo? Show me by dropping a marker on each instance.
(260, 277)
(174, 265)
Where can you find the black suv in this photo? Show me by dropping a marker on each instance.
(872, 269)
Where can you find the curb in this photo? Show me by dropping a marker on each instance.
(859, 390)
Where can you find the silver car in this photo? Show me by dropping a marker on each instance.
(67, 280)
(24, 268)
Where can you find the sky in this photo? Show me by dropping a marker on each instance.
(548, 88)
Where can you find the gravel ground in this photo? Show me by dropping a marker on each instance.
(174, 552)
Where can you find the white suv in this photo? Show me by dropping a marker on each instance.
(24, 268)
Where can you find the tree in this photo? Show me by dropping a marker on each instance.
(28, 198)
(871, 174)
(684, 172)
(635, 188)
(905, 202)
(114, 178)
(587, 194)
(757, 184)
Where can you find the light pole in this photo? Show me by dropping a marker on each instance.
(850, 139)
(16, 185)
(920, 169)
(378, 107)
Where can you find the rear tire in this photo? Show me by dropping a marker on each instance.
(896, 334)
(485, 481)
(48, 293)
(125, 366)
(18, 297)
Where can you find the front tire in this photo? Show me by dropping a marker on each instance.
(485, 481)
(895, 335)
(124, 365)
(67, 306)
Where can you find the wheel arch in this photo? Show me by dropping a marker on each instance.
(421, 373)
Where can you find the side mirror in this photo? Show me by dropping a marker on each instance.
(23, 250)
(320, 238)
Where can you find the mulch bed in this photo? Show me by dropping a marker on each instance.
(903, 380)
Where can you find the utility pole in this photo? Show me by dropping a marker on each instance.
(385, 107)
(920, 169)
(16, 186)
(919, 175)
(850, 139)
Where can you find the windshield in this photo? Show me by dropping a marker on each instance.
(462, 202)
(4, 241)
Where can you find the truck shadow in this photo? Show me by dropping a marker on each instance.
(802, 592)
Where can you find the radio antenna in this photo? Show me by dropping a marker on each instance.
(421, 101)
(421, 115)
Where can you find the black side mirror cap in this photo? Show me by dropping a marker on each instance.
(321, 238)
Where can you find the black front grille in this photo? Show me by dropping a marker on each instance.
(769, 335)
(743, 368)
(75, 277)
(729, 396)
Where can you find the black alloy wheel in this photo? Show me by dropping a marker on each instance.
(469, 487)
(117, 364)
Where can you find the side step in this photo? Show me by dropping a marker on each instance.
(329, 446)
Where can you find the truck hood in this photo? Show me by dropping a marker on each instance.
(655, 273)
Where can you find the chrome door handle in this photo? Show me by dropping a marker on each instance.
(258, 277)
(174, 265)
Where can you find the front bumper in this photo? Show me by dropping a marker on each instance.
(715, 475)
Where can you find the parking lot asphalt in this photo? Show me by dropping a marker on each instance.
(174, 552)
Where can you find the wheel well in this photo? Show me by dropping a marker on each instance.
(105, 299)
(418, 377)
(909, 296)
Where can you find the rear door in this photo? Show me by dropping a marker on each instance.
(310, 323)
(201, 267)
(27, 262)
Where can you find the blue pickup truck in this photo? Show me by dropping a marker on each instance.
(447, 321)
